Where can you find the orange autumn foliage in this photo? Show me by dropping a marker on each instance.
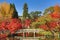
(56, 13)
(57, 8)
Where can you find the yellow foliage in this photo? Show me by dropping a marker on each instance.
(6, 10)
(6, 7)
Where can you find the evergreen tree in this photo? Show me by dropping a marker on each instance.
(25, 11)
(15, 13)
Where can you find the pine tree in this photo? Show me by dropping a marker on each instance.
(25, 11)
(15, 13)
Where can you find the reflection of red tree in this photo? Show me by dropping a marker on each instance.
(3, 36)
(59, 23)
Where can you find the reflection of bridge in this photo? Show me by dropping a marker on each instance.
(29, 38)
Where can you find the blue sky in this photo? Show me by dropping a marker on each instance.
(33, 5)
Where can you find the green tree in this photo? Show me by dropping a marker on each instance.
(35, 14)
(38, 13)
(49, 10)
(15, 13)
(25, 11)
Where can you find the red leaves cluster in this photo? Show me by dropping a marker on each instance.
(55, 15)
(52, 25)
(45, 27)
(27, 22)
(12, 25)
